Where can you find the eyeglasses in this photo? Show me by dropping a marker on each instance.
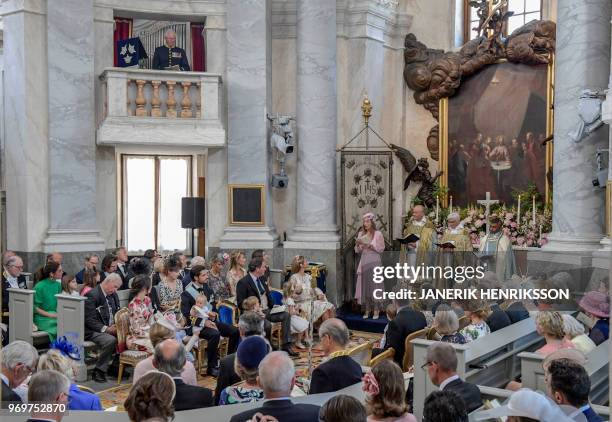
(19, 267)
(426, 364)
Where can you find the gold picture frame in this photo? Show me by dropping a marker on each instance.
(241, 215)
(443, 158)
(609, 208)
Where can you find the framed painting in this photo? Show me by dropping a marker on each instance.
(494, 133)
(246, 205)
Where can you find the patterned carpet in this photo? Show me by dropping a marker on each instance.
(115, 396)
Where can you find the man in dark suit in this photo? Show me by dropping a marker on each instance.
(122, 266)
(406, 322)
(213, 329)
(12, 267)
(498, 318)
(100, 308)
(169, 55)
(249, 324)
(49, 387)
(170, 357)
(516, 311)
(442, 370)
(277, 378)
(253, 285)
(338, 372)
(18, 361)
(91, 262)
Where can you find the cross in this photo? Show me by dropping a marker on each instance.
(487, 203)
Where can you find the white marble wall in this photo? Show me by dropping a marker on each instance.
(316, 121)
(249, 89)
(25, 123)
(72, 160)
(582, 62)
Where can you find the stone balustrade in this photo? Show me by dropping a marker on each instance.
(159, 107)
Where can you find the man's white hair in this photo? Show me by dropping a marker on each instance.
(112, 277)
(276, 371)
(197, 260)
(18, 352)
(453, 216)
(169, 31)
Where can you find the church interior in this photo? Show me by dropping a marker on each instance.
(305, 210)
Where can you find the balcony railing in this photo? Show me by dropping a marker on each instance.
(153, 101)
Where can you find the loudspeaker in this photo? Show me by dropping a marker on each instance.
(192, 213)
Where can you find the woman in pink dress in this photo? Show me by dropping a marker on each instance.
(370, 244)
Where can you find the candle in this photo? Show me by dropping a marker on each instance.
(437, 207)
(533, 211)
(451, 205)
(540, 231)
(518, 211)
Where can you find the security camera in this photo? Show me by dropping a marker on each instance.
(281, 144)
(280, 181)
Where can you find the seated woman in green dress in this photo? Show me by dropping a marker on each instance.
(45, 303)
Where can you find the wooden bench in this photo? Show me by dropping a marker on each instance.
(532, 372)
(21, 318)
(491, 360)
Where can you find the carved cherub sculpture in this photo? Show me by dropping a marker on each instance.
(418, 172)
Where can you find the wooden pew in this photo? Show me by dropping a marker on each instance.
(532, 372)
(71, 323)
(491, 360)
(21, 318)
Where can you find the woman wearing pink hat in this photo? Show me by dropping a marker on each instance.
(597, 307)
(370, 244)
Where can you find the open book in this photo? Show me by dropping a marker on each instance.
(410, 238)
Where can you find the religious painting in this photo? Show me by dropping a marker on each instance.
(493, 133)
(366, 182)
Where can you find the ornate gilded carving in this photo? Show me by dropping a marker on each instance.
(434, 74)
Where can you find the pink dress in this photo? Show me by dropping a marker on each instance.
(548, 348)
(370, 258)
(408, 417)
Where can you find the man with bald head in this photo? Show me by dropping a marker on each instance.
(277, 378)
(419, 252)
(169, 56)
(340, 371)
(170, 357)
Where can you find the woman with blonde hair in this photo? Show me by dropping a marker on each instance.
(151, 398)
(446, 324)
(78, 400)
(160, 331)
(477, 310)
(549, 324)
(236, 269)
(299, 288)
(385, 394)
(574, 332)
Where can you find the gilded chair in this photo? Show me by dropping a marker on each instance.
(126, 357)
(408, 350)
(386, 355)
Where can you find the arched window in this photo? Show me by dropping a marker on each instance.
(524, 12)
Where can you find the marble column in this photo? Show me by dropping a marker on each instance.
(216, 163)
(316, 126)
(72, 151)
(582, 62)
(249, 89)
(25, 124)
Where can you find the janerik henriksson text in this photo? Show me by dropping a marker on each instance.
(486, 294)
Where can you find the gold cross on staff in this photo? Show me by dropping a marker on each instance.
(491, 11)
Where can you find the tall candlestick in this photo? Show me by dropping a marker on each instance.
(437, 208)
(450, 206)
(518, 211)
(533, 211)
(540, 231)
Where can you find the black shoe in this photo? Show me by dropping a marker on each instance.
(290, 352)
(99, 376)
(213, 372)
